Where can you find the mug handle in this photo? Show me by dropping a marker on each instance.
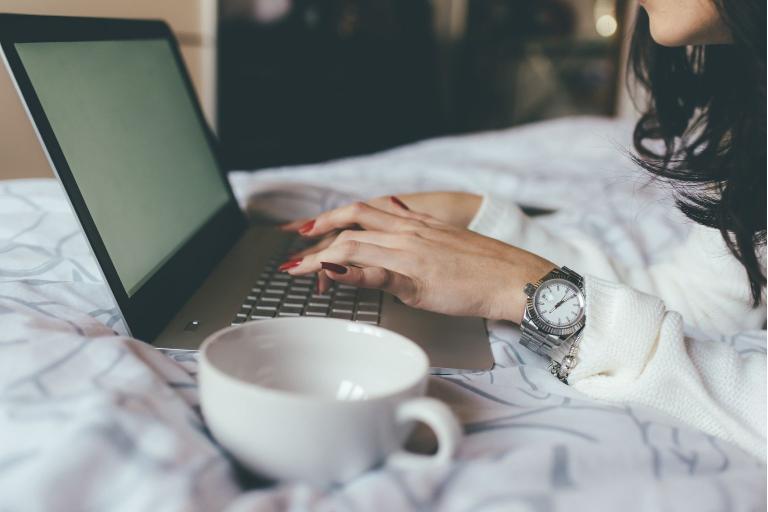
(437, 416)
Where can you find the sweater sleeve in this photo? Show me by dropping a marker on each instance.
(699, 279)
(634, 350)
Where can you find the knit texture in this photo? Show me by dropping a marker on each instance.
(634, 349)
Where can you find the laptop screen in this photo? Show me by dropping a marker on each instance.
(131, 137)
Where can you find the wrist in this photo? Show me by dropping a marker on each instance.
(454, 208)
(511, 297)
(554, 318)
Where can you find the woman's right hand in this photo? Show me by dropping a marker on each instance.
(454, 208)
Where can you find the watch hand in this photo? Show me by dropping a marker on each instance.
(563, 300)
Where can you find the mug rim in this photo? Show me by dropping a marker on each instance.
(206, 364)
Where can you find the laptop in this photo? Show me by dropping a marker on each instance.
(115, 110)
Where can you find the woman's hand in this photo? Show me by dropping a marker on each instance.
(455, 208)
(425, 262)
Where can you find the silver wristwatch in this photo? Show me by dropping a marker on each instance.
(554, 318)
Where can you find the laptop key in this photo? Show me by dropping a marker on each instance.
(341, 314)
(260, 315)
(265, 307)
(317, 310)
(367, 317)
(288, 313)
(269, 298)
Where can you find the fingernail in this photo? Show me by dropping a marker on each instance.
(333, 267)
(399, 203)
(307, 227)
(289, 264)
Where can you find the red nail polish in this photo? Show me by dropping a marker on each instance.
(289, 264)
(333, 267)
(399, 203)
(307, 227)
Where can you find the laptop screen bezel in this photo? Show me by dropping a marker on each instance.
(151, 307)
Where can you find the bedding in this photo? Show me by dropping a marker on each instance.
(91, 419)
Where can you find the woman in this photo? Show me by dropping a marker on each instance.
(703, 63)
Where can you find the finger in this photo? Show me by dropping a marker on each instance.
(372, 277)
(293, 225)
(319, 246)
(360, 214)
(323, 283)
(399, 203)
(394, 204)
(391, 240)
(353, 252)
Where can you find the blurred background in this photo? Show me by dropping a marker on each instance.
(297, 81)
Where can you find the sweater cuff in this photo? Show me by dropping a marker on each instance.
(499, 219)
(620, 333)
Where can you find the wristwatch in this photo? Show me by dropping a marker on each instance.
(554, 318)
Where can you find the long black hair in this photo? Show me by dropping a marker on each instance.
(704, 128)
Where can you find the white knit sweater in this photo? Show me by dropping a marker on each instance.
(634, 349)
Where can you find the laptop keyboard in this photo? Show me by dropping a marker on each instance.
(277, 294)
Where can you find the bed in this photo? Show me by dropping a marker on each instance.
(91, 419)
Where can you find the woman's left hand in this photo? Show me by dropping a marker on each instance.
(426, 263)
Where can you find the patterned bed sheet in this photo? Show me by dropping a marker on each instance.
(91, 419)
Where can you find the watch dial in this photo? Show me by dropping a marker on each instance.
(559, 303)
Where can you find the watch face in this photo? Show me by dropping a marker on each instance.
(559, 303)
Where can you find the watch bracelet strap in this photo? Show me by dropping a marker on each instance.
(544, 344)
(539, 342)
(562, 369)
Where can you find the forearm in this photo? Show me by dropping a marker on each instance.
(699, 279)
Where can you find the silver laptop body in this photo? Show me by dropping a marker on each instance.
(116, 113)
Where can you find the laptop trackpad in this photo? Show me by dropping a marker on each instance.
(454, 344)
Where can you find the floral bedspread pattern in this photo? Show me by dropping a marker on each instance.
(91, 419)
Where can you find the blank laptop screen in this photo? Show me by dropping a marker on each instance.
(130, 134)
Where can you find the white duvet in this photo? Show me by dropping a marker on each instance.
(91, 419)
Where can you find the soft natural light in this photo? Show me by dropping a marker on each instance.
(606, 25)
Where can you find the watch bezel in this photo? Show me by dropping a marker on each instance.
(542, 324)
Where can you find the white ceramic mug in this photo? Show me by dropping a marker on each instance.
(319, 399)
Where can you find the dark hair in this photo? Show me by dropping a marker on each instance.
(704, 128)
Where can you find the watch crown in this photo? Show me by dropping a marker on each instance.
(529, 289)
